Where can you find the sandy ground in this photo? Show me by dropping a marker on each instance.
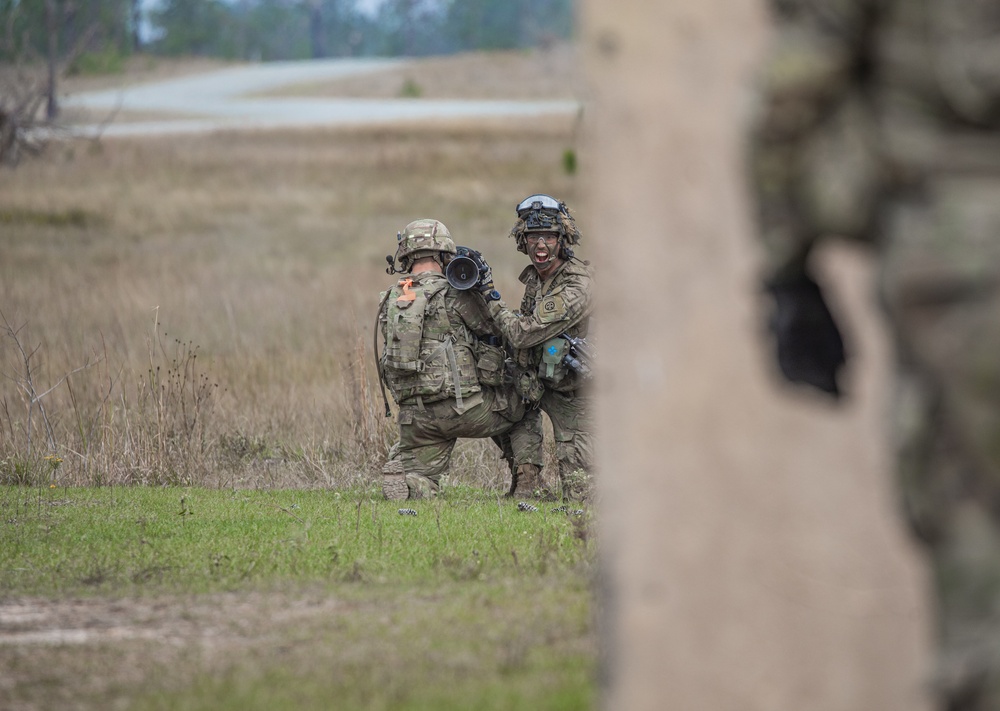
(101, 652)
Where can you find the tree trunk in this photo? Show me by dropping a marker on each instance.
(751, 555)
(52, 29)
(136, 15)
(316, 30)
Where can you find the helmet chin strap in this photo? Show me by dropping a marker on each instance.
(554, 254)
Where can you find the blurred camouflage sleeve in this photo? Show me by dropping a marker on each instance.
(472, 311)
(815, 170)
(812, 159)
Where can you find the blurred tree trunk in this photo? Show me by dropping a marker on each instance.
(409, 27)
(316, 37)
(52, 31)
(135, 13)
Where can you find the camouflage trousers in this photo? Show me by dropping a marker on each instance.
(569, 413)
(427, 435)
(941, 288)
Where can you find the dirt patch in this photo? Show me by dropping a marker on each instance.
(307, 643)
(95, 653)
(217, 620)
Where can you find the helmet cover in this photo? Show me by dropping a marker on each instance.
(423, 238)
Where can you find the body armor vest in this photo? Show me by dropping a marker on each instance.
(545, 361)
(425, 353)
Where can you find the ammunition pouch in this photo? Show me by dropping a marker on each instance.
(490, 364)
(528, 386)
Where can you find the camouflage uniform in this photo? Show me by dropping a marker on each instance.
(881, 123)
(561, 304)
(442, 370)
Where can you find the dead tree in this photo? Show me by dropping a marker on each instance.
(23, 129)
(28, 106)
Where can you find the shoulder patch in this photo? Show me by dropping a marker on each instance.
(551, 308)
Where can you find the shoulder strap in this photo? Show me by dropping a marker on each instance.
(378, 362)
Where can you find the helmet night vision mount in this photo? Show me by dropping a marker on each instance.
(543, 213)
(540, 213)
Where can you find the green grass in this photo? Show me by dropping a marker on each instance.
(133, 539)
(198, 598)
(412, 690)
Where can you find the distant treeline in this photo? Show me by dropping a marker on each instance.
(94, 35)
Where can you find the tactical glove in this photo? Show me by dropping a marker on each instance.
(485, 283)
(810, 349)
(489, 292)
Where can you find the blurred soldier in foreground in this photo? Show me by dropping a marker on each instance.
(881, 123)
(442, 366)
(548, 335)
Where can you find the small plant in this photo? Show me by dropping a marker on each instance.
(569, 161)
(108, 61)
(16, 471)
(410, 89)
(578, 485)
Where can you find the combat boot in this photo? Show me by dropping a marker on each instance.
(513, 483)
(528, 483)
(420, 487)
(394, 481)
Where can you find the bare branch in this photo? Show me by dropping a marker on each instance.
(27, 384)
(61, 380)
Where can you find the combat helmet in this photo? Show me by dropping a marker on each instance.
(421, 238)
(543, 213)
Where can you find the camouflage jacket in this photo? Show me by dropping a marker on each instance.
(561, 304)
(863, 100)
(431, 333)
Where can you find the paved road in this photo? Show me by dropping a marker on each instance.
(223, 100)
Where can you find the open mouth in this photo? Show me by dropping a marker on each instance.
(541, 256)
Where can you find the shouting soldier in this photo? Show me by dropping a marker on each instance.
(553, 319)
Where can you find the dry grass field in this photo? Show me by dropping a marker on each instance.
(551, 73)
(199, 309)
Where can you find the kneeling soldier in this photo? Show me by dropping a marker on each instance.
(442, 366)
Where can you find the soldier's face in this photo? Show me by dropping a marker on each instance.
(543, 247)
